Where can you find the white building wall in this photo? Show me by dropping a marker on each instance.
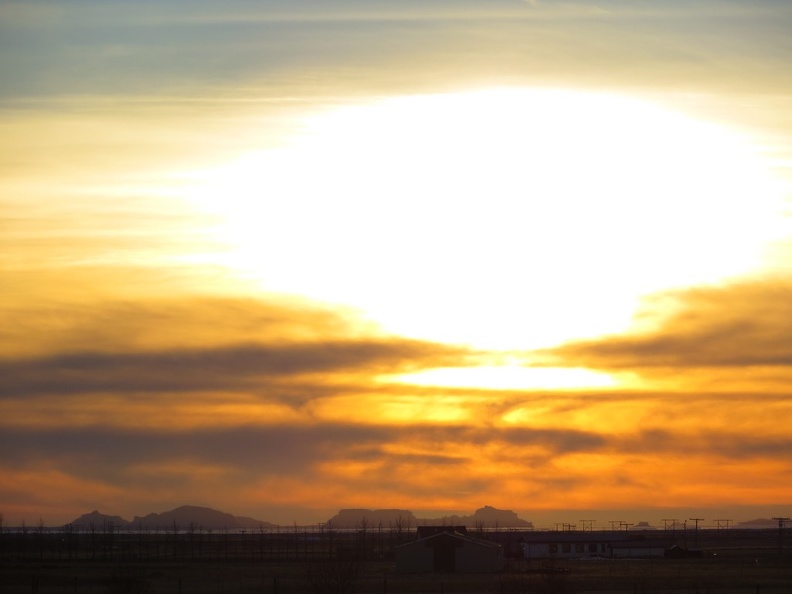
(565, 550)
(638, 552)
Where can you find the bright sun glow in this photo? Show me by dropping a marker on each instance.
(507, 218)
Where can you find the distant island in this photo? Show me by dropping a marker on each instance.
(485, 517)
(182, 518)
(758, 524)
(193, 517)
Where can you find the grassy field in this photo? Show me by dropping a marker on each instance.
(706, 576)
(733, 565)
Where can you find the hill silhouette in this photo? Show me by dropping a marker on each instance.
(758, 523)
(181, 518)
(204, 518)
(485, 517)
(387, 518)
(98, 521)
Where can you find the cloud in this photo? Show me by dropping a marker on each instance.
(579, 451)
(338, 462)
(217, 368)
(95, 48)
(55, 322)
(740, 325)
(200, 345)
(111, 451)
(260, 405)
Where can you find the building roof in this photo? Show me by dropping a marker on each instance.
(452, 535)
(424, 531)
(571, 537)
(639, 544)
(586, 537)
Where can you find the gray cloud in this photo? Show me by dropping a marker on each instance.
(109, 453)
(215, 368)
(207, 344)
(714, 443)
(96, 48)
(263, 448)
(739, 325)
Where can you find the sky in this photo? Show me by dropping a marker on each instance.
(280, 258)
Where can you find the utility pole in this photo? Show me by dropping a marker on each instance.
(613, 524)
(587, 525)
(625, 525)
(568, 527)
(666, 523)
(696, 520)
(781, 522)
(719, 524)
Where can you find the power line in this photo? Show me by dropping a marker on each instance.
(696, 520)
(781, 522)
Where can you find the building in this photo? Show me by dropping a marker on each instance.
(587, 545)
(449, 551)
(638, 549)
(566, 546)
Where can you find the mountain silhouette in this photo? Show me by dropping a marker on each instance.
(182, 518)
(485, 517)
(98, 521)
(372, 519)
(758, 523)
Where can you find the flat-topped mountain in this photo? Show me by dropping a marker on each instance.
(182, 518)
(368, 518)
(485, 517)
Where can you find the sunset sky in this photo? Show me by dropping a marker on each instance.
(288, 256)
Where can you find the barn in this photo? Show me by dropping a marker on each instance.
(449, 551)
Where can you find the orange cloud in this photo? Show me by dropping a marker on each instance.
(258, 405)
(743, 325)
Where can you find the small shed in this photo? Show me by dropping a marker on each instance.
(449, 551)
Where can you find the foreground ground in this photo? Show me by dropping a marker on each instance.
(727, 566)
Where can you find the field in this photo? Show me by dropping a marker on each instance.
(290, 562)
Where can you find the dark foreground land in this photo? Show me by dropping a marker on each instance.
(290, 562)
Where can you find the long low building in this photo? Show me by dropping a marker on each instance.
(589, 546)
(632, 549)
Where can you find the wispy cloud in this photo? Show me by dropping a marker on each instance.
(95, 48)
(206, 396)
(737, 325)
(208, 369)
(380, 464)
